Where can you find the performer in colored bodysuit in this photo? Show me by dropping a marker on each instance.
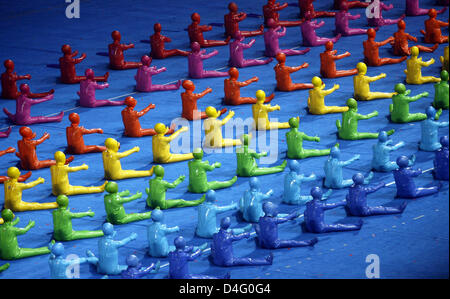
(307, 6)
(309, 35)
(67, 66)
(59, 264)
(361, 85)
(195, 63)
(116, 57)
(213, 130)
(341, 21)
(87, 92)
(195, 31)
(261, 114)
(316, 99)
(161, 145)
(74, 136)
(381, 154)
(157, 41)
(270, 11)
(237, 48)
(432, 30)
(189, 102)
(399, 109)
(371, 50)
(441, 98)
(23, 109)
(440, 162)
(400, 42)
(232, 19)
(250, 204)
(430, 130)
(21, 178)
(283, 75)
(328, 66)
(351, 4)
(414, 69)
(144, 77)
(413, 9)
(9, 86)
(376, 19)
(135, 269)
(271, 43)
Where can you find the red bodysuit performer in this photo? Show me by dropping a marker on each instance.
(74, 136)
(351, 4)
(371, 50)
(189, 101)
(432, 31)
(400, 43)
(157, 41)
(67, 67)
(328, 65)
(9, 86)
(232, 89)
(232, 20)
(27, 150)
(22, 178)
(307, 6)
(195, 31)
(130, 119)
(270, 11)
(116, 57)
(283, 75)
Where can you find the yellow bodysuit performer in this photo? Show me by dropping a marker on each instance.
(111, 162)
(60, 178)
(414, 69)
(161, 146)
(213, 129)
(261, 114)
(316, 100)
(361, 85)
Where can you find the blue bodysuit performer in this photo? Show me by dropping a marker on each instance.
(314, 215)
(404, 180)
(207, 217)
(59, 264)
(158, 245)
(357, 200)
(135, 269)
(251, 202)
(178, 262)
(108, 252)
(333, 170)
(267, 230)
(222, 248)
(430, 127)
(441, 161)
(381, 154)
(292, 185)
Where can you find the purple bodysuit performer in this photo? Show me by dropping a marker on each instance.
(23, 107)
(144, 77)
(87, 92)
(237, 47)
(310, 38)
(271, 37)
(376, 19)
(195, 63)
(413, 9)
(341, 22)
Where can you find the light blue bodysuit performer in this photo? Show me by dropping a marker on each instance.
(333, 170)
(59, 264)
(207, 217)
(430, 127)
(381, 154)
(158, 245)
(108, 252)
(292, 185)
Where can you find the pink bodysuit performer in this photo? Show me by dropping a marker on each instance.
(23, 107)
(271, 37)
(237, 48)
(341, 22)
(87, 92)
(310, 38)
(413, 9)
(195, 63)
(378, 21)
(144, 77)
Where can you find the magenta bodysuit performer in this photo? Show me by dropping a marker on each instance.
(341, 22)
(378, 21)
(413, 9)
(195, 63)
(271, 37)
(310, 38)
(144, 77)
(23, 107)
(87, 92)
(237, 47)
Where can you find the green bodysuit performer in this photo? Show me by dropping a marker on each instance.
(9, 248)
(441, 92)
(115, 213)
(348, 130)
(62, 222)
(198, 180)
(157, 192)
(294, 140)
(399, 108)
(246, 161)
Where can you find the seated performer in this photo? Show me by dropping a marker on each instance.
(250, 204)
(429, 140)
(213, 129)
(310, 38)
(116, 57)
(271, 43)
(157, 41)
(195, 63)
(381, 154)
(237, 47)
(307, 6)
(283, 75)
(432, 32)
(351, 4)
(9, 86)
(440, 161)
(144, 77)
(111, 162)
(161, 145)
(261, 114)
(341, 21)
(399, 109)
(135, 269)
(441, 98)
(400, 42)
(232, 88)
(270, 11)
(60, 178)
(316, 99)
(189, 101)
(59, 264)
(414, 69)
(23, 109)
(21, 178)
(195, 32)
(74, 136)
(87, 92)
(67, 66)
(371, 50)
(361, 85)
(413, 9)
(232, 19)
(328, 66)
(376, 19)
